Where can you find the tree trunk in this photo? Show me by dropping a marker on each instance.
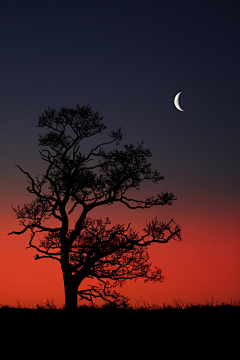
(70, 284)
(70, 294)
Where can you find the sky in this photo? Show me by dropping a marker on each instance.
(127, 60)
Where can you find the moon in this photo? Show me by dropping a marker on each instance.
(176, 102)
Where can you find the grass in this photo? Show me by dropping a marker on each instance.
(180, 323)
(140, 306)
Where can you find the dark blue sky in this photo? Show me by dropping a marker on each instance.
(128, 59)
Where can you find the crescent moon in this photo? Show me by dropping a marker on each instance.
(176, 102)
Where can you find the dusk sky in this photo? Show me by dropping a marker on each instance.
(127, 60)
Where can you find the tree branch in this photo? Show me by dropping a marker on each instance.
(161, 199)
(47, 254)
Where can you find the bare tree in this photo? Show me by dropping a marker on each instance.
(75, 183)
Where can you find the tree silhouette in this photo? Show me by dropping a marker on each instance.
(76, 183)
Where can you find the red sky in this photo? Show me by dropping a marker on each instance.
(204, 265)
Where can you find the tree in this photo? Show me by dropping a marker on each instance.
(76, 183)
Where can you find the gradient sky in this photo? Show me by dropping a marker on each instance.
(128, 59)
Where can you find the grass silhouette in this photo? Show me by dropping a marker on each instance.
(171, 325)
(140, 306)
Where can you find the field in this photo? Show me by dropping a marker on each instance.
(142, 312)
(208, 329)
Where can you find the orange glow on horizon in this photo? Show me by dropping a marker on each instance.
(204, 265)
